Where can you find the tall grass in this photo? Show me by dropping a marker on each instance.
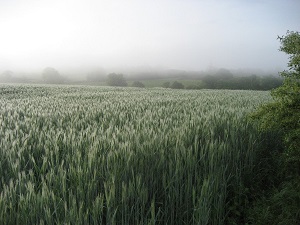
(90, 155)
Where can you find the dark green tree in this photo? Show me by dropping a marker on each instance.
(276, 185)
(210, 81)
(118, 80)
(270, 82)
(283, 114)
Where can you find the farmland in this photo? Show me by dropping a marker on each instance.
(103, 155)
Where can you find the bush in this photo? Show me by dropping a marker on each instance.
(282, 206)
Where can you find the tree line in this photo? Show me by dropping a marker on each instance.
(221, 80)
(252, 82)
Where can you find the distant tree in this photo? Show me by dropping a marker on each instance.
(194, 86)
(177, 85)
(52, 76)
(254, 82)
(118, 80)
(210, 81)
(224, 74)
(270, 82)
(7, 76)
(244, 83)
(138, 84)
(166, 84)
(96, 75)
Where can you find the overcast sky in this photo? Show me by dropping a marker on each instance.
(177, 34)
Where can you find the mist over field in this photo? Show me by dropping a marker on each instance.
(149, 112)
(137, 37)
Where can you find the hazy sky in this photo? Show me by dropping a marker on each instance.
(178, 34)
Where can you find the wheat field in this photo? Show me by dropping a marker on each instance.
(104, 155)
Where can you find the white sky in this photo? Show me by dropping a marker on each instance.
(178, 34)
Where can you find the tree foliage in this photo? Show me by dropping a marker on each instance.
(138, 84)
(283, 114)
(118, 80)
(177, 85)
(252, 82)
(52, 76)
(96, 75)
(6, 76)
(166, 84)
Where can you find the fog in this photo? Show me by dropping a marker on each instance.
(77, 36)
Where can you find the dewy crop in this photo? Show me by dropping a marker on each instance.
(96, 155)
